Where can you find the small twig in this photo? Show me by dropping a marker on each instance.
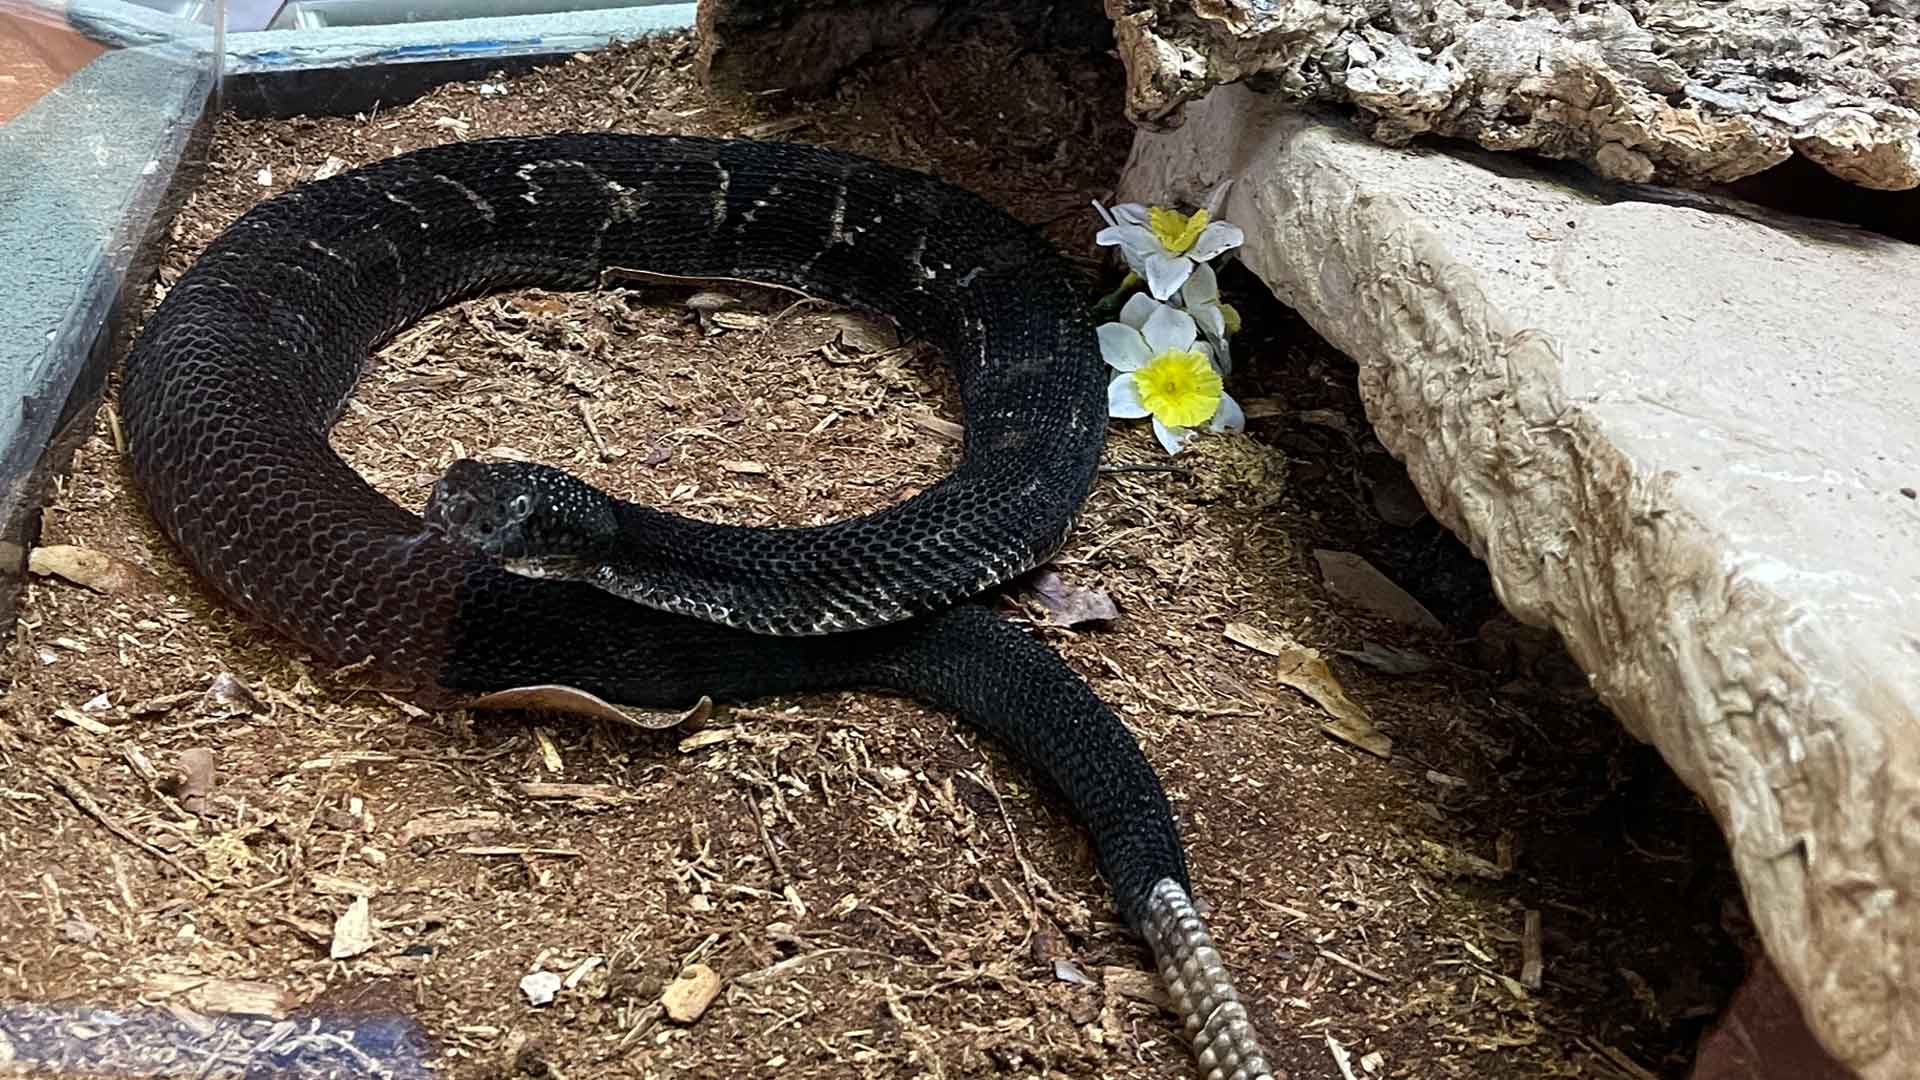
(766, 838)
(1026, 868)
(593, 432)
(93, 809)
(1358, 969)
(1181, 469)
(766, 974)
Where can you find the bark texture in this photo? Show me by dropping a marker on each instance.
(1671, 91)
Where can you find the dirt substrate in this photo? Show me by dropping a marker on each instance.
(882, 895)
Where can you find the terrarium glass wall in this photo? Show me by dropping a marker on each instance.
(98, 103)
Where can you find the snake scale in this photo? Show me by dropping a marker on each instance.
(232, 388)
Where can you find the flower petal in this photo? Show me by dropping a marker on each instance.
(1171, 438)
(1211, 319)
(1131, 213)
(1229, 417)
(1137, 308)
(1164, 272)
(1222, 357)
(1168, 329)
(1201, 288)
(1123, 398)
(1217, 237)
(1122, 347)
(1136, 242)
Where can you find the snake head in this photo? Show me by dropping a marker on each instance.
(534, 519)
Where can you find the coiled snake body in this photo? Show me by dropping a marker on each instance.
(234, 384)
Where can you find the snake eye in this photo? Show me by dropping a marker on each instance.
(520, 506)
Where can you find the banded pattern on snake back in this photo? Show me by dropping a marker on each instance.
(230, 392)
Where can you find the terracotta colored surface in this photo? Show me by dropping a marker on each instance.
(1762, 1036)
(36, 55)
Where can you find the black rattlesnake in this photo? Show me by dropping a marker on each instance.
(234, 383)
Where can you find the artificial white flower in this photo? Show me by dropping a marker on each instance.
(1200, 296)
(1162, 245)
(1166, 372)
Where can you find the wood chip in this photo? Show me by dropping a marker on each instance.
(334, 885)
(224, 997)
(347, 757)
(946, 429)
(549, 750)
(687, 997)
(1452, 862)
(448, 824)
(744, 468)
(607, 793)
(710, 737)
(1144, 986)
(89, 569)
(164, 703)
(82, 721)
(739, 320)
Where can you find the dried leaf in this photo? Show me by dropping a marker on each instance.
(865, 335)
(1357, 581)
(1303, 669)
(232, 696)
(1390, 659)
(90, 569)
(1068, 971)
(352, 931)
(1341, 1057)
(192, 778)
(576, 702)
(1259, 640)
(1070, 605)
(710, 301)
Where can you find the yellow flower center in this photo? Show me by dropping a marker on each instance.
(1179, 387)
(1175, 230)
